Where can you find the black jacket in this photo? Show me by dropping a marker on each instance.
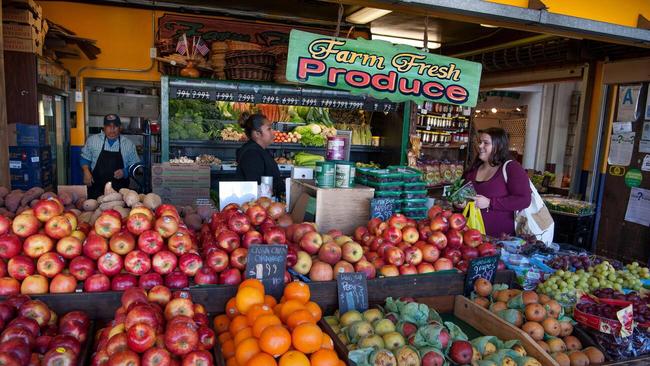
(254, 162)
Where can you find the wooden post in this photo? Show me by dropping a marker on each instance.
(4, 139)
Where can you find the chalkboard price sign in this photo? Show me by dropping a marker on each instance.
(382, 208)
(485, 267)
(353, 291)
(267, 264)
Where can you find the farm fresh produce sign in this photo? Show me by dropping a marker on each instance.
(381, 69)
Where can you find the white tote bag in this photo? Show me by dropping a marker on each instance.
(535, 219)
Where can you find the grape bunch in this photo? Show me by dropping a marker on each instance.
(639, 304)
(536, 247)
(566, 262)
(607, 311)
(618, 265)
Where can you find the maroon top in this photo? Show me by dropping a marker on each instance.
(505, 198)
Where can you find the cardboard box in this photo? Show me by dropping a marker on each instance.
(29, 156)
(181, 184)
(23, 45)
(30, 5)
(330, 208)
(26, 135)
(23, 16)
(15, 30)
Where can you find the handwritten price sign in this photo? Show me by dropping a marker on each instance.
(485, 267)
(267, 264)
(352, 291)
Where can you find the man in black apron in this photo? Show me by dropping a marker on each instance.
(107, 164)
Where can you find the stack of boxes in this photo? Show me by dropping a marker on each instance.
(402, 184)
(30, 158)
(23, 26)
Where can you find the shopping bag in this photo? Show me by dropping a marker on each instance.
(474, 217)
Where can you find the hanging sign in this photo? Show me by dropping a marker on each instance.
(627, 101)
(381, 69)
(633, 178)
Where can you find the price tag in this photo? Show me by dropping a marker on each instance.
(188, 93)
(267, 263)
(382, 208)
(485, 267)
(353, 291)
(14, 164)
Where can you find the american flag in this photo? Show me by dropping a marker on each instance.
(201, 47)
(181, 46)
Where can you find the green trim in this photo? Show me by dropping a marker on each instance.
(406, 129)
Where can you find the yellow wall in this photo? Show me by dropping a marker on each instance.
(124, 35)
(623, 12)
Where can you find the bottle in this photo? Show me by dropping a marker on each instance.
(266, 187)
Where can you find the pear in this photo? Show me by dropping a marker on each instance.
(393, 340)
(371, 341)
(383, 326)
(407, 356)
(359, 330)
(350, 317)
(372, 314)
(336, 329)
(382, 357)
(332, 320)
(343, 338)
(519, 349)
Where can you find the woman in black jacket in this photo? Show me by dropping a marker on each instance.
(253, 160)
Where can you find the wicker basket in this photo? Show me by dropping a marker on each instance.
(277, 50)
(175, 70)
(250, 58)
(219, 47)
(243, 46)
(249, 72)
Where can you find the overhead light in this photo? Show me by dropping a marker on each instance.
(494, 110)
(489, 25)
(366, 15)
(407, 41)
(478, 111)
(518, 109)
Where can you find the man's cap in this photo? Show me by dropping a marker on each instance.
(112, 119)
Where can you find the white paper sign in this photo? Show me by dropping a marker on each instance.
(236, 192)
(628, 98)
(645, 135)
(638, 207)
(15, 164)
(647, 107)
(620, 127)
(644, 146)
(646, 164)
(621, 148)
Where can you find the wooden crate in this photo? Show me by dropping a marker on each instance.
(335, 208)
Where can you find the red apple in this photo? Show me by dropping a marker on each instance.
(452, 254)
(125, 357)
(472, 237)
(351, 252)
(425, 268)
(10, 245)
(34, 285)
(150, 242)
(430, 253)
(461, 352)
(300, 231)
(292, 255)
(150, 280)
(238, 258)
(123, 281)
(3, 268)
(160, 295)
(35, 245)
(250, 238)
(468, 253)
(82, 268)
(230, 276)
(107, 224)
(454, 239)
(228, 240)
(256, 215)
(179, 243)
(413, 255)
(122, 242)
(45, 209)
(438, 239)
(156, 356)
(17, 350)
(206, 276)
(190, 263)
(393, 235)
(425, 232)
(137, 262)
(439, 223)
(434, 211)
(9, 286)
(207, 338)
(394, 255)
(25, 225)
(330, 253)
(5, 225)
(239, 223)
(366, 267)
(69, 247)
(167, 209)
(166, 226)
(321, 271)
(457, 221)
(176, 280)
(462, 265)
(20, 267)
(275, 235)
(443, 264)
(110, 264)
(343, 267)
(398, 221)
(487, 249)
(141, 337)
(137, 223)
(410, 234)
(382, 249)
(95, 246)
(389, 270)
(373, 225)
(217, 260)
(432, 357)
(311, 242)
(58, 227)
(50, 264)
(276, 209)
(198, 358)
(407, 269)
(376, 243)
(360, 232)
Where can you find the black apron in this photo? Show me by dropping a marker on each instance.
(107, 163)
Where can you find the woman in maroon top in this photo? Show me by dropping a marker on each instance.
(497, 199)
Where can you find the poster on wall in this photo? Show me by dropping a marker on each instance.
(621, 148)
(645, 135)
(628, 98)
(638, 207)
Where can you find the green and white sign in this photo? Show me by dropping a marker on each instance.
(633, 178)
(381, 69)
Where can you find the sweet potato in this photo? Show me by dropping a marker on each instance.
(33, 203)
(94, 216)
(75, 211)
(152, 201)
(90, 205)
(108, 189)
(6, 213)
(193, 221)
(12, 200)
(3, 192)
(65, 198)
(31, 194)
(2, 201)
(85, 216)
(124, 212)
(131, 198)
(47, 195)
(112, 204)
(110, 198)
(21, 209)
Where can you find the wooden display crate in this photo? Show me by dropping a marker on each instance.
(330, 208)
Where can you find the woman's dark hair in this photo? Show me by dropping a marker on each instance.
(252, 122)
(500, 152)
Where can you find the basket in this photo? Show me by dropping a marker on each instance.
(256, 58)
(249, 72)
(219, 47)
(243, 46)
(278, 51)
(175, 70)
(280, 75)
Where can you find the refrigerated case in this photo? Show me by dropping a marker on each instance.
(52, 114)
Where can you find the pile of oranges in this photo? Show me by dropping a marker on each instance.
(258, 331)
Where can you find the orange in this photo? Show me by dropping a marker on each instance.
(327, 342)
(247, 297)
(299, 317)
(224, 337)
(307, 338)
(289, 307)
(242, 335)
(256, 310)
(294, 358)
(221, 323)
(315, 310)
(270, 301)
(238, 323)
(341, 363)
(264, 322)
(228, 348)
(297, 291)
(231, 308)
(231, 361)
(261, 359)
(275, 340)
(251, 282)
(324, 357)
(246, 350)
